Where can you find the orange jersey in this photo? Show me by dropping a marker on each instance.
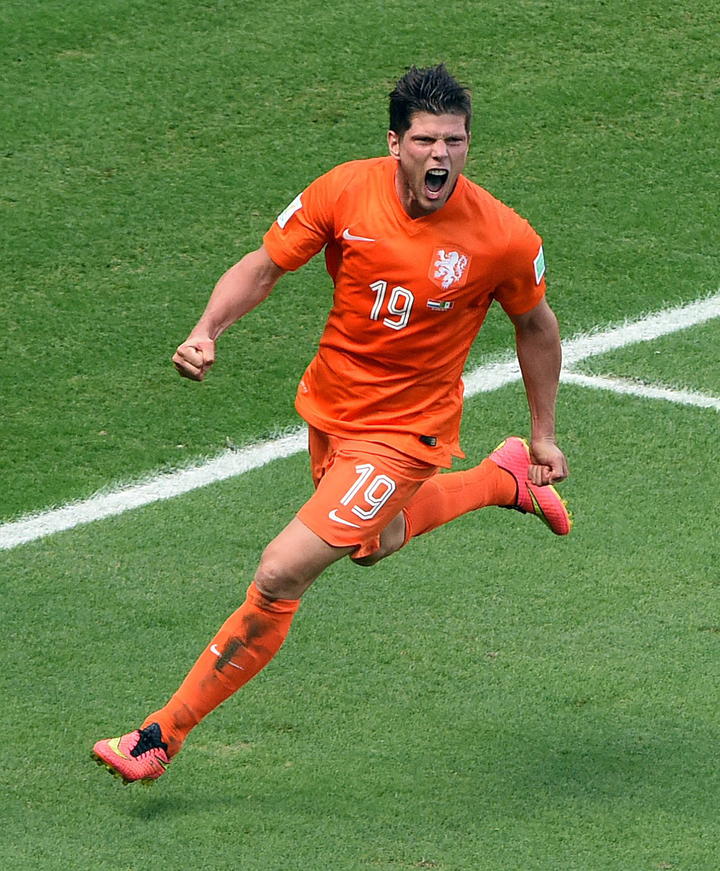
(410, 296)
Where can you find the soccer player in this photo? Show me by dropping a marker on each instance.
(417, 253)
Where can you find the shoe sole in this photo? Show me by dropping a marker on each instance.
(98, 760)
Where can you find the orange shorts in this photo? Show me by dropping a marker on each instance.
(360, 487)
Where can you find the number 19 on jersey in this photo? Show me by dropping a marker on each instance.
(399, 305)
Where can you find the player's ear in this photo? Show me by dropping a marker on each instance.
(394, 144)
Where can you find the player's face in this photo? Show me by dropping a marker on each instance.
(431, 155)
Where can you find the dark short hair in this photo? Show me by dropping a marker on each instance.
(432, 90)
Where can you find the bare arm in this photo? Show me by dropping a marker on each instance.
(537, 340)
(241, 288)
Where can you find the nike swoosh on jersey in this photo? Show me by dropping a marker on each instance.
(333, 516)
(216, 650)
(349, 236)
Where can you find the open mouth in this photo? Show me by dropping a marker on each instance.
(435, 180)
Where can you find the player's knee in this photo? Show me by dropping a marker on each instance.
(275, 579)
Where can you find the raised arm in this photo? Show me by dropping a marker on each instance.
(537, 340)
(241, 288)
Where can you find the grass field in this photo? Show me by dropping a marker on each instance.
(491, 698)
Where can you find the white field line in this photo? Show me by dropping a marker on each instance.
(644, 391)
(485, 378)
(164, 486)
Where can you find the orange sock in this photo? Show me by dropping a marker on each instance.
(446, 496)
(244, 645)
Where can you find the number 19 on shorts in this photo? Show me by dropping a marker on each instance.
(377, 492)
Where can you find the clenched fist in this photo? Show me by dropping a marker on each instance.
(194, 357)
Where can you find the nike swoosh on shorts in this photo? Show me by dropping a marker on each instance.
(333, 516)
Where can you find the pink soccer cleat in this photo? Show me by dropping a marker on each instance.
(545, 502)
(139, 755)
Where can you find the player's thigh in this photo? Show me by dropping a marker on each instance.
(392, 538)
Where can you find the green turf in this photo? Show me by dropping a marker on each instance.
(490, 699)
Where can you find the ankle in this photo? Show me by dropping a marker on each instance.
(171, 737)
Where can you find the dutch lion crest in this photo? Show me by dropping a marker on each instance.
(449, 267)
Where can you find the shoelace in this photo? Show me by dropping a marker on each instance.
(149, 740)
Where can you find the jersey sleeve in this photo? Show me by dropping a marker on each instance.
(305, 226)
(522, 282)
